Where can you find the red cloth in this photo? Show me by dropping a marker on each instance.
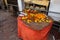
(28, 34)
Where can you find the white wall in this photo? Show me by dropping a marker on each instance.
(55, 7)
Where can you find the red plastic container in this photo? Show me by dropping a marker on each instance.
(28, 34)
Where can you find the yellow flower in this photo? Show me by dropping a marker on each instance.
(40, 20)
(47, 20)
(29, 21)
(36, 20)
(32, 14)
(24, 18)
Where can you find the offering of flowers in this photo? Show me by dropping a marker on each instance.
(36, 20)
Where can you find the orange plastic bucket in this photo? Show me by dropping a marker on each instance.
(28, 34)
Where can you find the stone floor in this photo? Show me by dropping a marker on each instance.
(8, 26)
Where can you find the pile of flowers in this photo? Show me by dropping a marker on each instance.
(34, 16)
